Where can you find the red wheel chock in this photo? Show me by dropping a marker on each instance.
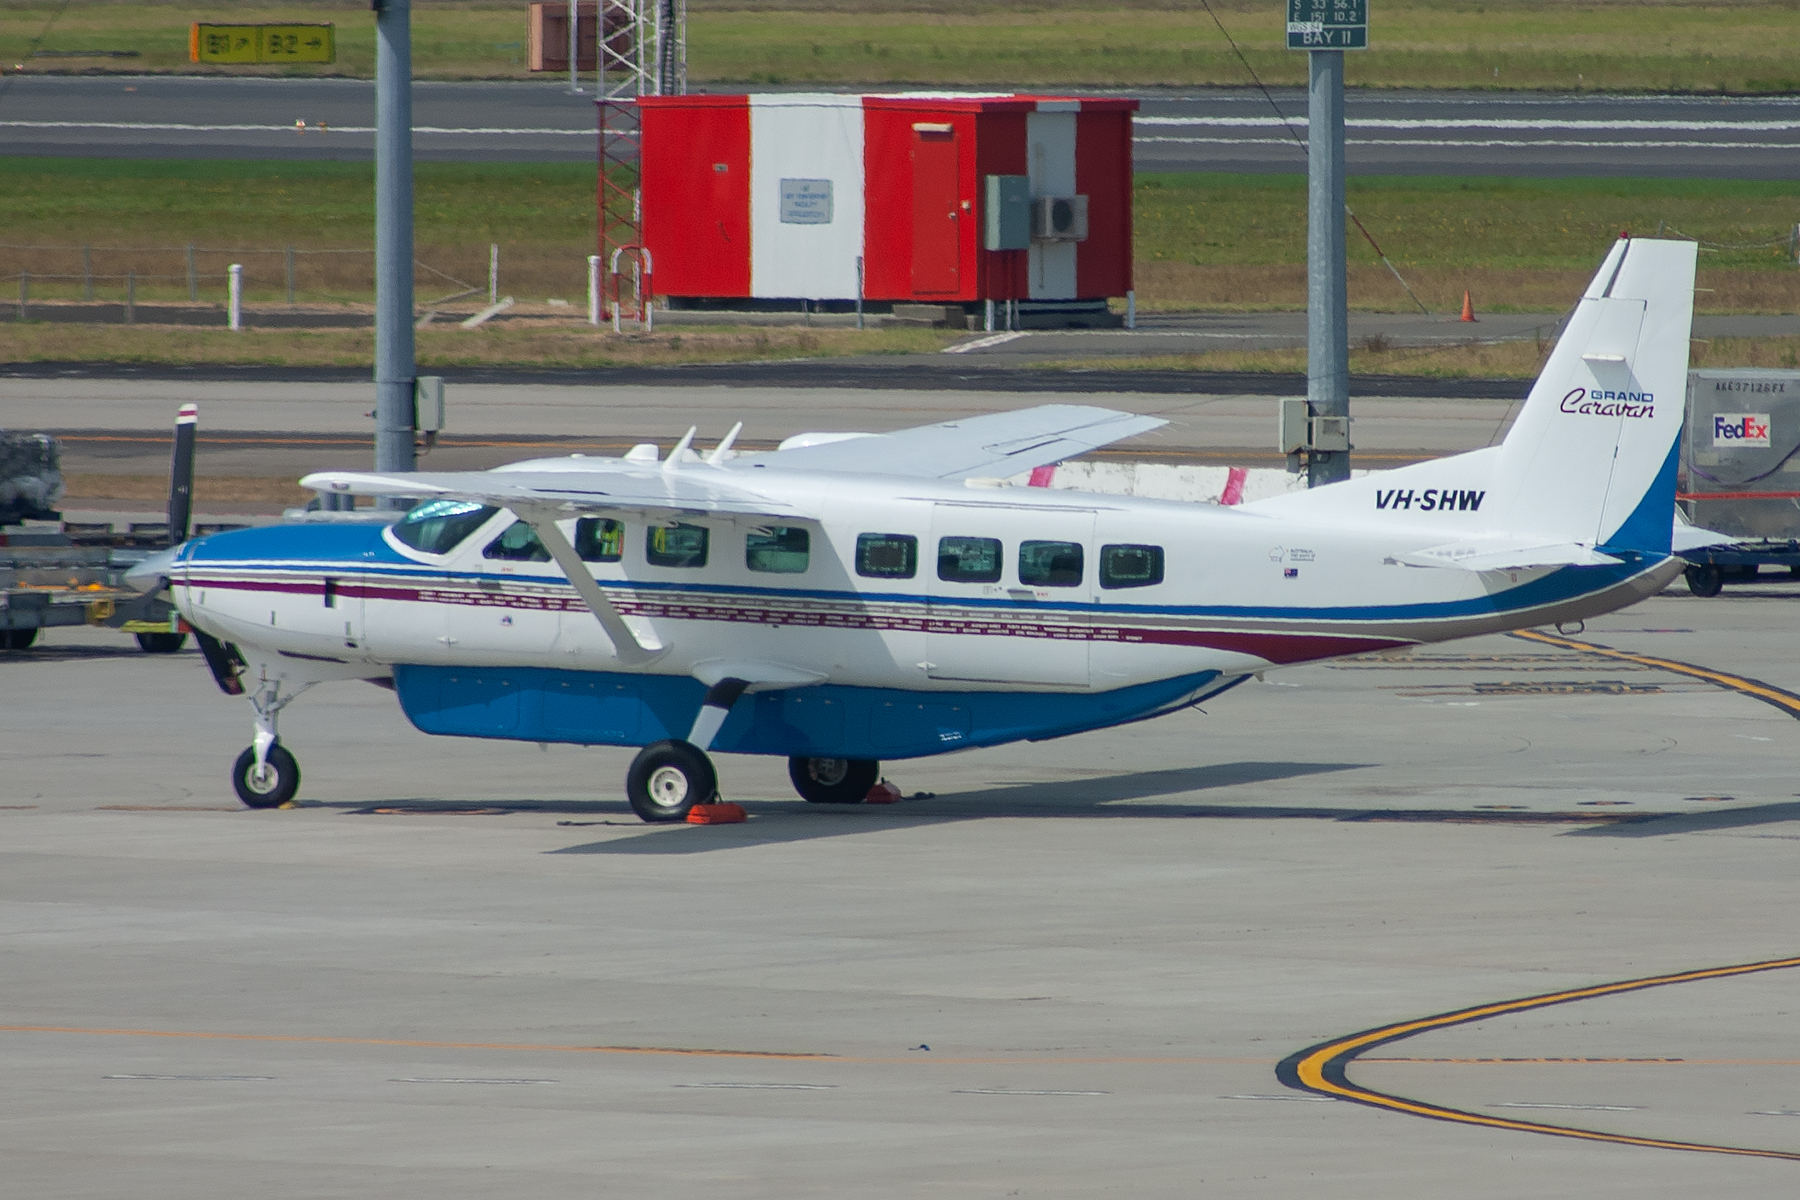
(716, 814)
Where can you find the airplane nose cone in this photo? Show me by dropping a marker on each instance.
(152, 575)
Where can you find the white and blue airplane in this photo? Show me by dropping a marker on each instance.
(851, 598)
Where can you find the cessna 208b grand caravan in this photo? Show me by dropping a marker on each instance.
(854, 598)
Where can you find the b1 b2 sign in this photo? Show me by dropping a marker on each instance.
(1740, 429)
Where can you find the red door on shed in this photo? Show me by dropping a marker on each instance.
(937, 234)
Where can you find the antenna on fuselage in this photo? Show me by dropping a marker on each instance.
(687, 439)
(724, 446)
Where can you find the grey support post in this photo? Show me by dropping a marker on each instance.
(1327, 319)
(395, 364)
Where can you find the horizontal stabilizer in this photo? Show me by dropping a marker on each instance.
(603, 489)
(1688, 536)
(999, 444)
(1500, 554)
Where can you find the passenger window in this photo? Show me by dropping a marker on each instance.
(1130, 566)
(969, 559)
(675, 545)
(887, 555)
(780, 548)
(518, 544)
(1050, 564)
(598, 539)
(438, 526)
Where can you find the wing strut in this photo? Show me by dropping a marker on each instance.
(629, 650)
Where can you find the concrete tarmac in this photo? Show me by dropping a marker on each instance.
(462, 968)
(121, 427)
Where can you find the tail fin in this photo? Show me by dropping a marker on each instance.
(1591, 459)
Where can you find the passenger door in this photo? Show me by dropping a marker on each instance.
(985, 621)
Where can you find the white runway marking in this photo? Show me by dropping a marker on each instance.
(995, 339)
(1022, 1092)
(1580, 1107)
(767, 1087)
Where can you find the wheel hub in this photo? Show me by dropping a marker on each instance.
(668, 786)
(829, 771)
(262, 780)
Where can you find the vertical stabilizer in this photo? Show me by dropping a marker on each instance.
(1591, 459)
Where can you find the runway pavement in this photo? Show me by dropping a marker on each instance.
(461, 968)
(285, 429)
(1218, 129)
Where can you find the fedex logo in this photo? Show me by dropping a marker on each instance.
(1740, 429)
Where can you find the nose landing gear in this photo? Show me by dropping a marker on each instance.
(266, 775)
(270, 784)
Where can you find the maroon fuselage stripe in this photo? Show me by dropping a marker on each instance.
(1271, 645)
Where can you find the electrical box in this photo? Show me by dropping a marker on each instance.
(1006, 214)
(1331, 433)
(1059, 219)
(428, 403)
(1293, 435)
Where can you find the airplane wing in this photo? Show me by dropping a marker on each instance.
(998, 444)
(695, 491)
(1501, 554)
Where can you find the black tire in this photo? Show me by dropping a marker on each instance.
(1705, 581)
(833, 780)
(18, 639)
(161, 643)
(281, 781)
(668, 778)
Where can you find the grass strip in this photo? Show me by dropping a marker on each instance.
(1676, 45)
(1204, 240)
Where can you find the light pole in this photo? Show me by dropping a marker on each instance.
(395, 363)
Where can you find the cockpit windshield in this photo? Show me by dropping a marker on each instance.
(439, 526)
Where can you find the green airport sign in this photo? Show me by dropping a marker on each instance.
(1328, 24)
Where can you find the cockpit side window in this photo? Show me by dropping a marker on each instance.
(518, 544)
(439, 526)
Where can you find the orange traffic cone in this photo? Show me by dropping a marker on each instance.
(1468, 308)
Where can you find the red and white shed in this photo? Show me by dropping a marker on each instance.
(766, 197)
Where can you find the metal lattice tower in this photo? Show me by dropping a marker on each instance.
(642, 52)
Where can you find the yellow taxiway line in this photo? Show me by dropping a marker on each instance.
(1322, 1068)
(1786, 701)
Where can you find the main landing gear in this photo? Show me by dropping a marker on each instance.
(833, 780)
(668, 778)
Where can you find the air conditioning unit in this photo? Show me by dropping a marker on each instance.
(1059, 219)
